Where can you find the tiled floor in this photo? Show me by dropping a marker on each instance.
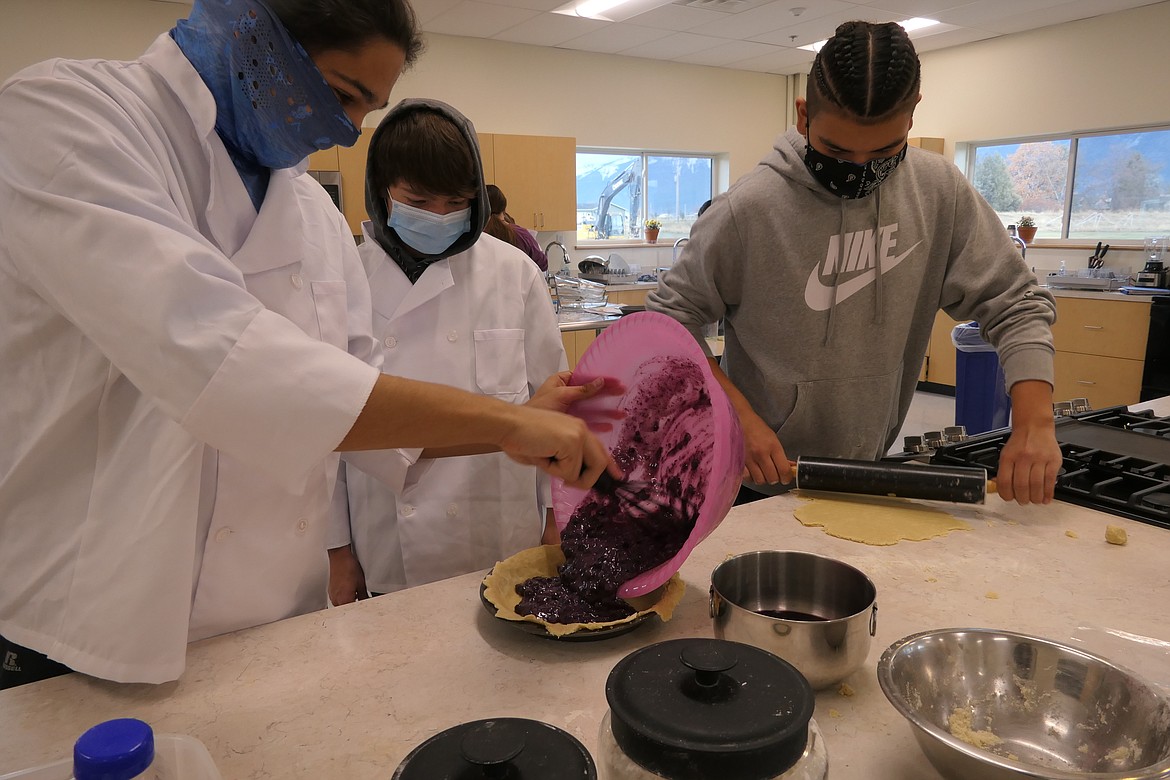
(928, 412)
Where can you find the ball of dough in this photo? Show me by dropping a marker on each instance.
(1115, 534)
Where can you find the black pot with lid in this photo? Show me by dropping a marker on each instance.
(499, 748)
(702, 708)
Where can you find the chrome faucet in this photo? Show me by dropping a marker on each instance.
(677, 244)
(564, 270)
(1015, 237)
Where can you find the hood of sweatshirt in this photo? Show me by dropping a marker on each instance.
(386, 237)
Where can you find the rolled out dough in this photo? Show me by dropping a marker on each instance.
(877, 521)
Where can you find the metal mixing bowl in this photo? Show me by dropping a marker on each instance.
(1025, 707)
(816, 613)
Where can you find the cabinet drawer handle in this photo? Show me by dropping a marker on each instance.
(1094, 327)
(1085, 382)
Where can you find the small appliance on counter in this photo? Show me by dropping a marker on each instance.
(1154, 273)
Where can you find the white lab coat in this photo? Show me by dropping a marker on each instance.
(480, 320)
(174, 371)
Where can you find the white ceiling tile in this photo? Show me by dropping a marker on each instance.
(614, 38)
(991, 14)
(784, 61)
(673, 16)
(532, 5)
(806, 32)
(955, 36)
(908, 9)
(727, 52)
(549, 29)
(426, 10)
(755, 21)
(477, 20)
(673, 45)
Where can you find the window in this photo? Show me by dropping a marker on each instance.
(618, 190)
(1099, 186)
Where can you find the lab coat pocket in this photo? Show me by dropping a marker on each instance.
(499, 363)
(329, 300)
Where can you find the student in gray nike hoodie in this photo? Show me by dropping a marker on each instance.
(828, 263)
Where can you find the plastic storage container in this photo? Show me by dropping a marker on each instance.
(981, 400)
(176, 757)
(692, 709)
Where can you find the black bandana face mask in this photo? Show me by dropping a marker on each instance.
(849, 180)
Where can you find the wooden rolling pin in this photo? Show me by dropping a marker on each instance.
(960, 484)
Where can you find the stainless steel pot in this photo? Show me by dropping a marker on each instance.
(817, 613)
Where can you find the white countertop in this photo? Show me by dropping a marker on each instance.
(347, 693)
(1100, 295)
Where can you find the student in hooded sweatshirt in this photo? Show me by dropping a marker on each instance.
(828, 263)
(455, 305)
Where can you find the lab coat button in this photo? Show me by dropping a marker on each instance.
(390, 342)
(452, 510)
(297, 281)
(302, 525)
(222, 534)
(452, 336)
(407, 510)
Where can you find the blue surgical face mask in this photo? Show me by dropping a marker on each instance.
(427, 232)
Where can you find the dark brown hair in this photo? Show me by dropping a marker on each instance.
(426, 150)
(868, 71)
(345, 25)
(496, 225)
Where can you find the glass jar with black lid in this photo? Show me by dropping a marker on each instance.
(513, 748)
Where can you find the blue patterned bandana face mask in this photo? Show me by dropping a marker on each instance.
(846, 179)
(273, 107)
(427, 232)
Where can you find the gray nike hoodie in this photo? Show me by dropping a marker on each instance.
(828, 303)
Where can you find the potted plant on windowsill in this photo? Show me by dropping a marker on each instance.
(652, 226)
(1026, 229)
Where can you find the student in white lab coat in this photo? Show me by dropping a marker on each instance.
(185, 338)
(455, 305)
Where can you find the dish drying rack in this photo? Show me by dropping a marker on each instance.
(1102, 279)
(570, 292)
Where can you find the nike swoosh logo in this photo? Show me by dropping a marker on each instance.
(819, 296)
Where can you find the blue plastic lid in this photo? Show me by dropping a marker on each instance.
(114, 750)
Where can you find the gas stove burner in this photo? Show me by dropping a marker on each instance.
(1115, 461)
(1159, 500)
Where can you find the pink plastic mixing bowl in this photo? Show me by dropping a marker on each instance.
(628, 351)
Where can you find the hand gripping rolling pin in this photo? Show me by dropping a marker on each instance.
(960, 484)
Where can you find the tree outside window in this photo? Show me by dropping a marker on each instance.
(1103, 186)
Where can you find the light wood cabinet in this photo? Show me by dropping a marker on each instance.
(538, 176)
(324, 160)
(628, 297)
(940, 363)
(487, 156)
(352, 164)
(936, 145)
(1100, 350)
(576, 342)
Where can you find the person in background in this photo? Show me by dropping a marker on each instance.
(828, 263)
(460, 513)
(185, 338)
(501, 225)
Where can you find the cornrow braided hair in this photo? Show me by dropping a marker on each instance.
(867, 70)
